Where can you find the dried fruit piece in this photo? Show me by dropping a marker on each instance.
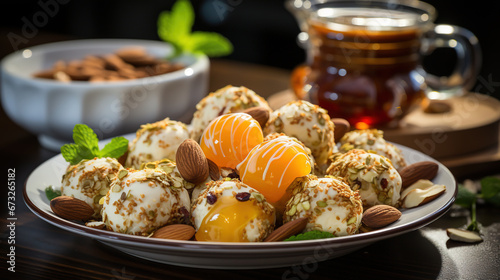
(463, 235)
(242, 196)
(176, 231)
(191, 162)
(380, 216)
(71, 208)
(420, 170)
(288, 229)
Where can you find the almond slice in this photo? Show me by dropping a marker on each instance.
(417, 197)
(420, 184)
(289, 229)
(463, 235)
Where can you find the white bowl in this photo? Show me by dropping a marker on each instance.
(50, 109)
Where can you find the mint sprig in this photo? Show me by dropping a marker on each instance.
(175, 27)
(490, 193)
(86, 146)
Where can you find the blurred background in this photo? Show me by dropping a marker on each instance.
(262, 31)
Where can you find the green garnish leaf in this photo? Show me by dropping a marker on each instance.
(86, 139)
(464, 198)
(315, 234)
(209, 43)
(490, 190)
(51, 193)
(175, 27)
(86, 146)
(116, 148)
(71, 153)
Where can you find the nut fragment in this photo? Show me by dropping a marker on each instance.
(213, 170)
(463, 235)
(341, 127)
(70, 208)
(380, 216)
(191, 162)
(420, 193)
(96, 224)
(260, 114)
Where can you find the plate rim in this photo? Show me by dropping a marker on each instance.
(239, 247)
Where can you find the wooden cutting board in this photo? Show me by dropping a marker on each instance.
(465, 139)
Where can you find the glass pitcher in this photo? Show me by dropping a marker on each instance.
(364, 58)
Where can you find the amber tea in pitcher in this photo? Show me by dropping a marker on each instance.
(364, 59)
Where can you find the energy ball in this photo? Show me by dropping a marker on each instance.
(329, 203)
(309, 123)
(372, 140)
(140, 201)
(226, 100)
(231, 211)
(156, 141)
(89, 180)
(373, 175)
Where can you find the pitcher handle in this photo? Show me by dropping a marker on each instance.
(468, 64)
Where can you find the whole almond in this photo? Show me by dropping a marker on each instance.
(70, 208)
(192, 162)
(260, 114)
(286, 230)
(380, 216)
(177, 232)
(420, 170)
(341, 127)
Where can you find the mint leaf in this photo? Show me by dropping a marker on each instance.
(209, 43)
(51, 193)
(315, 234)
(490, 190)
(465, 198)
(71, 153)
(115, 149)
(175, 26)
(490, 186)
(87, 141)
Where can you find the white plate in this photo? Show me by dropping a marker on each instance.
(237, 255)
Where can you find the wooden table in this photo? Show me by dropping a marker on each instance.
(43, 251)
